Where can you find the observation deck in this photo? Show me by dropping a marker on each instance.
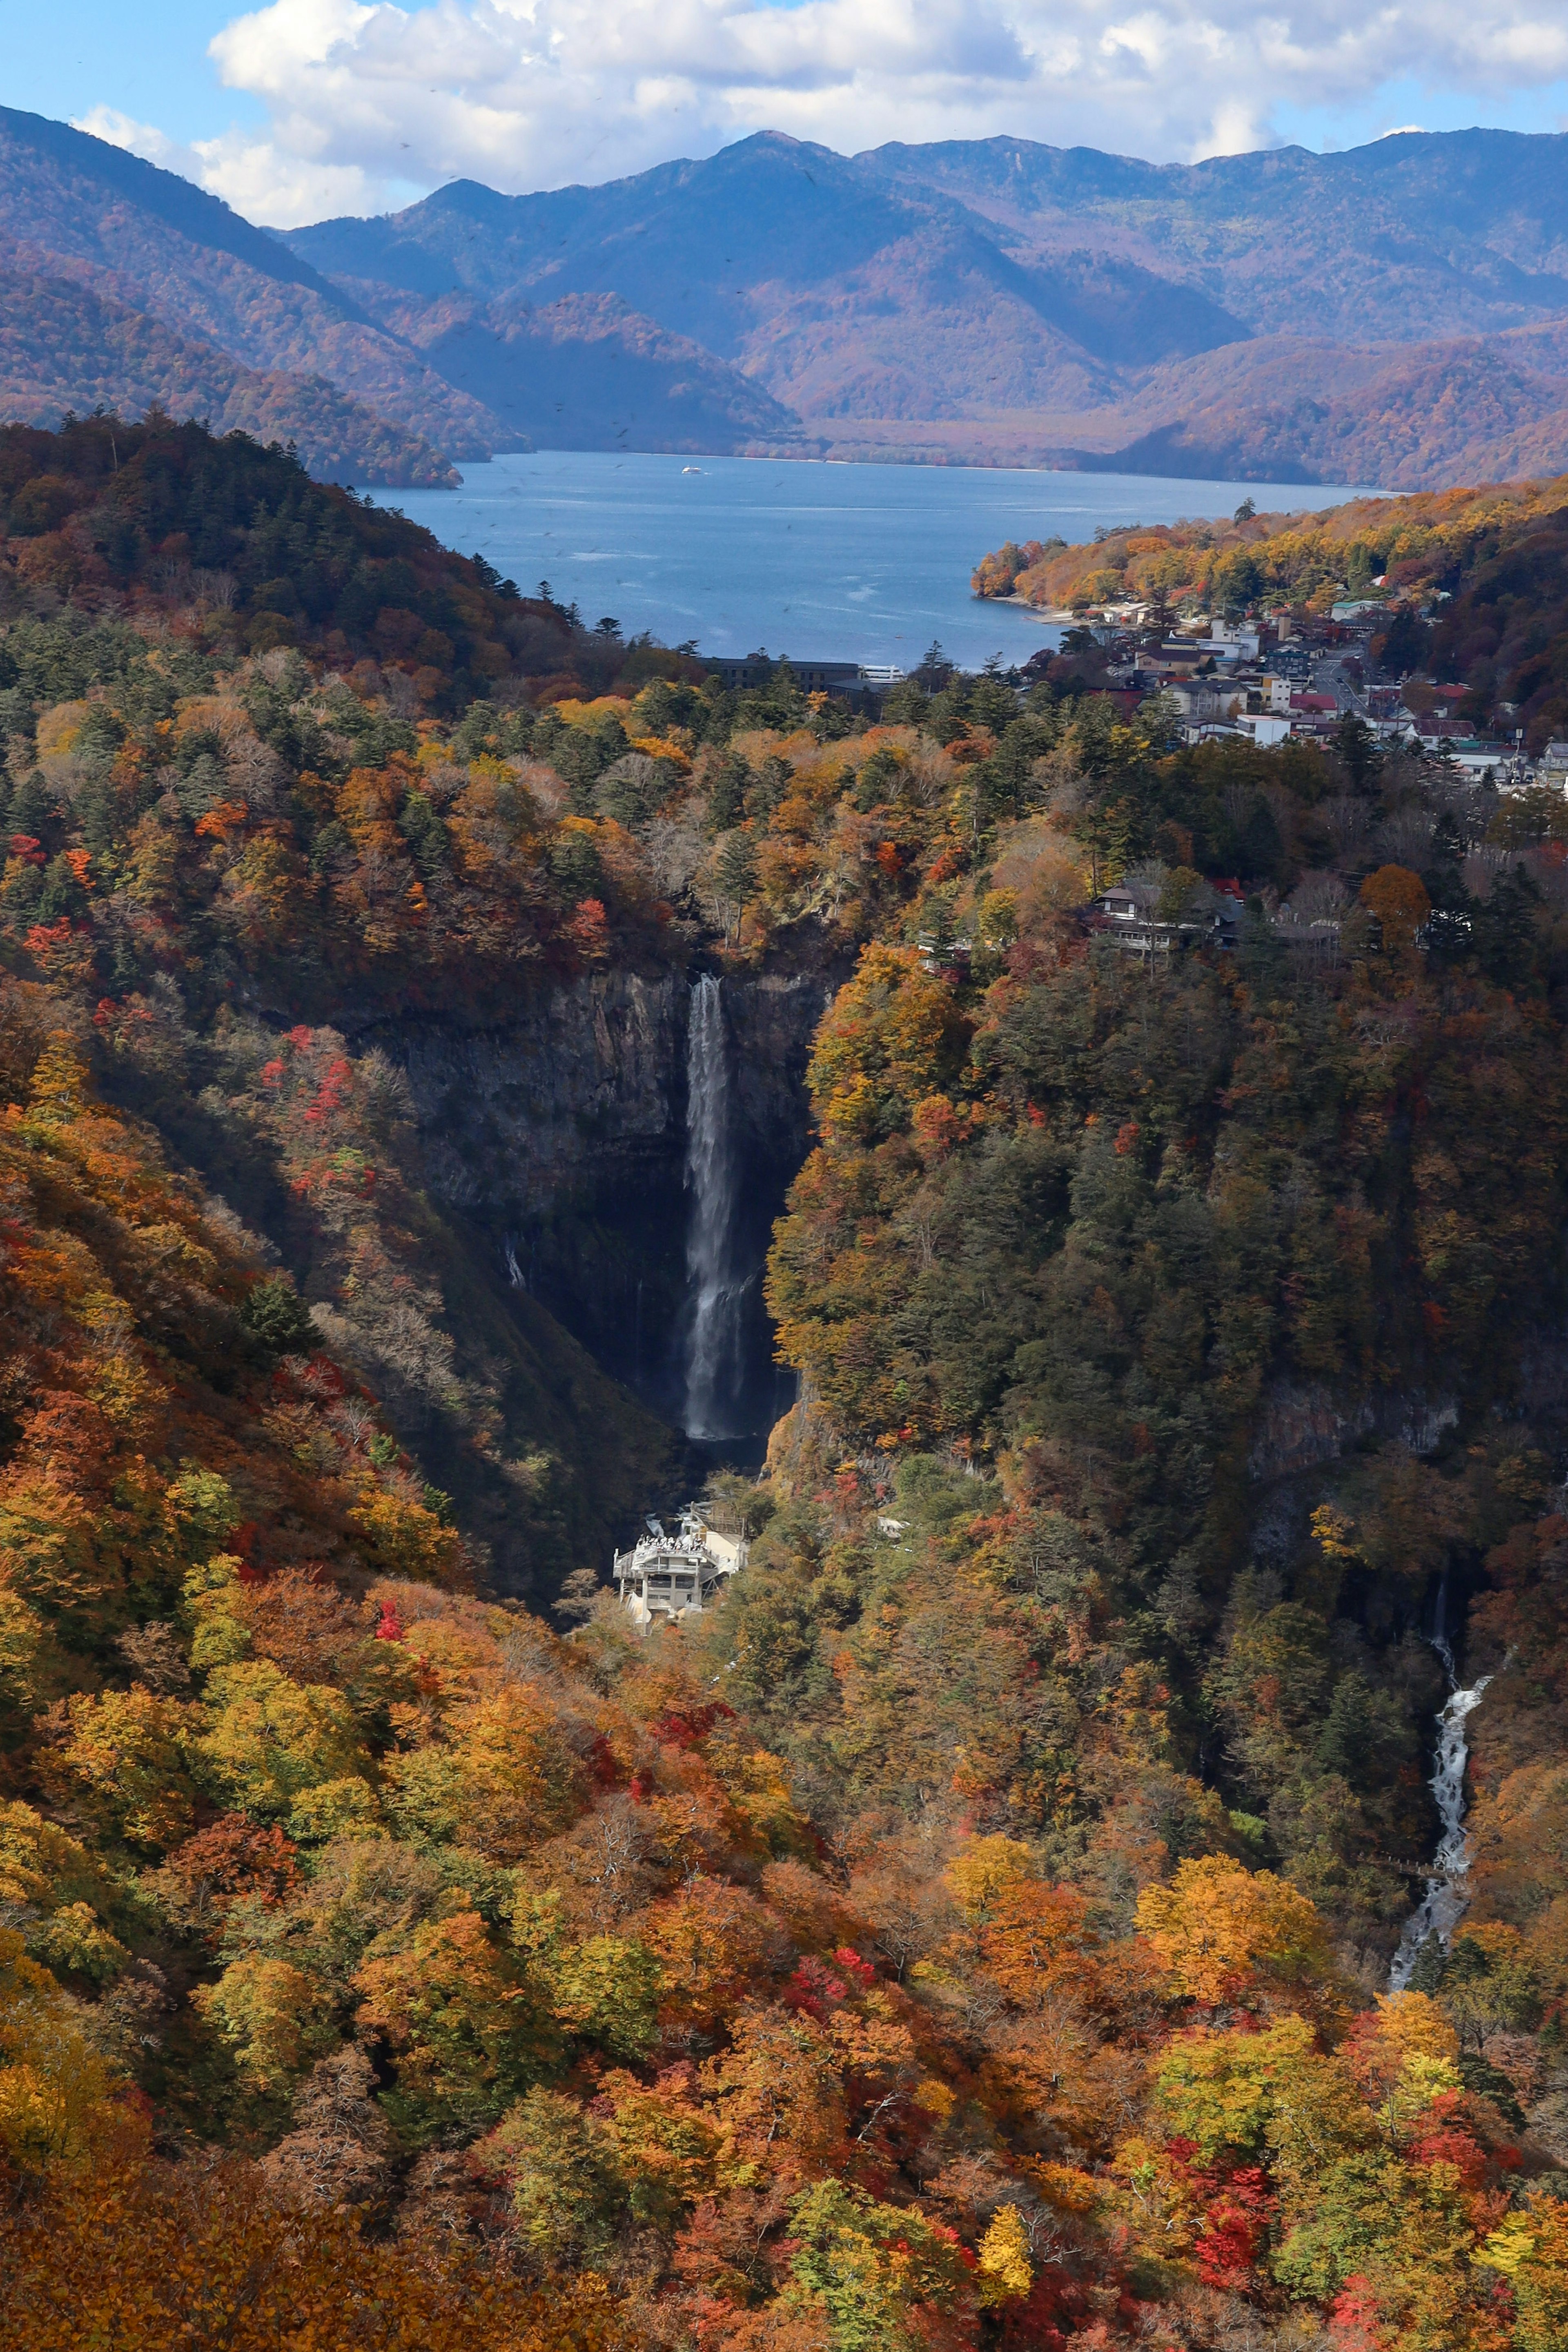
(667, 1576)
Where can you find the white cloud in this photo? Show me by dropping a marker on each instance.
(144, 139)
(363, 96)
(259, 178)
(268, 181)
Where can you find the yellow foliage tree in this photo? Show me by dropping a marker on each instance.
(122, 1759)
(1530, 2250)
(273, 2017)
(56, 2091)
(892, 1038)
(1222, 1931)
(504, 1781)
(1005, 2273)
(983, 1871)
(272, 1739)
(407, 1539)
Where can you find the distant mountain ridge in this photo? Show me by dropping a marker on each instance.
(1395, 315)
(1419, 231)
(1000, 299)
(788, 259)
(1467, 230)
(73, 207)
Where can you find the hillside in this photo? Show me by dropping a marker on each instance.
(838, 272)
(1392, 315)
(73, 207)
(589, 373)
(130, 286)
(63, 348)
(973, 1933)
(1132, 262)
(1464, 225)
(1425, 416)
(1495, 556)
(1257, 316)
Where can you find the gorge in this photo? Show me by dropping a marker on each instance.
(629, 1144)
(420, 1019)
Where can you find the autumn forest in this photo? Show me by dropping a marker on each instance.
(976, 1932)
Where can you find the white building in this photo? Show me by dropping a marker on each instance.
(1266, 728)
(1132, 920)
(1228, 642)
(680, 1575)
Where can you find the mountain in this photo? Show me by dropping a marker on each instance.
(1000, 299)
(140, 242)
(64, 347)
(73, 207)
(587, 371)
(1407, 417)
(1397, 314)
(1463, 230)
(841, 292)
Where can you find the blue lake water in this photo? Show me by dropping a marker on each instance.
(853, 562)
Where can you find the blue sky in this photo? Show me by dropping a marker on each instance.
(150, 63)
(294, 109)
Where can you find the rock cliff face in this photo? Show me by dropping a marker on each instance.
(1303, 1425)
(559, 1138)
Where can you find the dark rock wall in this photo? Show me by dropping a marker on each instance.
(559, 1138)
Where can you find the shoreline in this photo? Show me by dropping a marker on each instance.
(1051, 616)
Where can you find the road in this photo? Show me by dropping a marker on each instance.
(1329, 677)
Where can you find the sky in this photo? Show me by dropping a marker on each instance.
(309, 108)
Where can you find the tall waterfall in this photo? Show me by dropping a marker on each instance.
(717, 1288)
(1448, 1894)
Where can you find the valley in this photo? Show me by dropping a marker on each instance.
(472, 1082)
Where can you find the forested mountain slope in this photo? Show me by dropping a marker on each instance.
(1031, 304)
(1464, 225)
(974, 1933)
(1468, 226)
(74, 208)
(811, 249)
(133, 287)
(1390, 315)
(64, 347)
(588, 372)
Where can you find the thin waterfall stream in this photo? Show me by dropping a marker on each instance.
(716, 1284)
(1448, 1893)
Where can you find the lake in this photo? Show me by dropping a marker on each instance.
(850, 562)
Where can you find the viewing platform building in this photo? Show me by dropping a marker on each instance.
(678, 1575)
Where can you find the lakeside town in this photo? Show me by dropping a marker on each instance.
(1285, 676)
(1293, 674)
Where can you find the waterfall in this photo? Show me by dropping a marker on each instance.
(1448, 1894)
(717, 1288)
